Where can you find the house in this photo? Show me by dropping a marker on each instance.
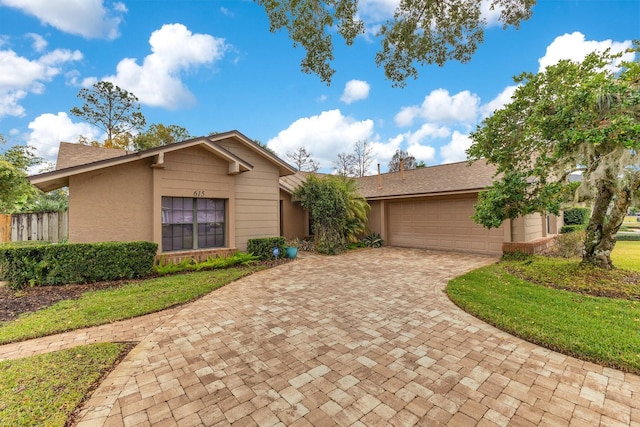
(431, 208)
(195, 198)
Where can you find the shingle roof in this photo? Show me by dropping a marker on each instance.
(448, 178)
(70, 155)
(290, 182)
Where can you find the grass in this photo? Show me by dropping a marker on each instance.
(626, 255)
(563, 314)
(45, 390)
(110, 305)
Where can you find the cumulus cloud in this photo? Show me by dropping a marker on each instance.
(324, 135)
(424, 153)
(157, 80)
(38, 42)
(575, 48)
(455, 150)
(86, 18)
(498, 102)
(20, 76)
(48, 130)
(439, 106)
(355, 90)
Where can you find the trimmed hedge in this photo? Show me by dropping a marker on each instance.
(571, 228)
(576, 216)
(76, 263)
(633, 237)
(263, 247)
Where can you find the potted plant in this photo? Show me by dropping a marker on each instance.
(291, 248)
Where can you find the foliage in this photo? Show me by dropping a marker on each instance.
(597, 329)
(576, 216)
(338, 210)
(572, 228)
(132, 299)
(345, 164)
(112, 109)
(402, 157)
(15, 189)
(572, 116)
(46, 389)
(292, 243)
(263, 247)
(421, 32)
(211, 263)
(373, 240)
(628, 237)
(62, 264)
(53, 201)
(158, 134)
(302, 160)
(569, 244)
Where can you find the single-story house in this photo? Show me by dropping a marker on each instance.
(195, 198)
(431, 208)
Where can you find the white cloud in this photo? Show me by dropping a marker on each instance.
(377, 10)
(324, 135)
(48, 130)
(439, 106)
(575, 48)
(20, 75)
(174, 49)
(87, 18)
(355, 90)
(225, 11)
(425, 153)
(498, 102)
(39, 43)
(455, 150)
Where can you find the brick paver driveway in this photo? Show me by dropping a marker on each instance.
(365, 338)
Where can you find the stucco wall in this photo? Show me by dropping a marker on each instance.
(257, 200)
(194, 172)
(113, 204)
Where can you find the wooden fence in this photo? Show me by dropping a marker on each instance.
(46, 226)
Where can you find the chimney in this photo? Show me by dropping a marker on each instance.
(402, 169)
(379, 178)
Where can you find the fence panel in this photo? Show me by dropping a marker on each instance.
(5, 228)
(45, 226)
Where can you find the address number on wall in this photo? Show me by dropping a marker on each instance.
(198, 193)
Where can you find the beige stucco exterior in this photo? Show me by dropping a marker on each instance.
(294, 220)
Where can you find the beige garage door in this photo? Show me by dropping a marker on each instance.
(441, 223)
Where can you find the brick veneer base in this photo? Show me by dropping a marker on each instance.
(532, 248)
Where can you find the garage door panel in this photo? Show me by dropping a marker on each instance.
(443, 223)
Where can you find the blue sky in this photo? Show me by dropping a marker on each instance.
(212, 65)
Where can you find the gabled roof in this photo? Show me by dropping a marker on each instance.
(460, 177)
(78, 159)
(450, 178)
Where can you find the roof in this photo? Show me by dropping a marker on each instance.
(77, 159)
(450, 178)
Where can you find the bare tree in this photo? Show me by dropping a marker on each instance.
(302, 160)
(401, 155)
(345, 164)
(363, 153)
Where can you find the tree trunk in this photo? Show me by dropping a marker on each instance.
(601, 231)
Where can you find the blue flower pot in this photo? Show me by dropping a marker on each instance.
(291, 252)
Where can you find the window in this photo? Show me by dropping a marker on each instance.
(181, 216)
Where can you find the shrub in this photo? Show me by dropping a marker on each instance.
(516, 256)
(576, 216)
(571, 228)
(263, 247)
(373, 240)
(633, 237)
(211, 263)
(76, 263)
(569, 245)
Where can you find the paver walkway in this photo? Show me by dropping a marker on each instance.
(365, 338)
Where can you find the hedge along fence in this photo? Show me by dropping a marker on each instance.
(263, 247)
(76, 263)
(576, 216)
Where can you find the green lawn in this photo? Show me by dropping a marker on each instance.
(106, 306)
(551, 302)
(44, 390)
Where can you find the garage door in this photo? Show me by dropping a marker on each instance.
(441, 223)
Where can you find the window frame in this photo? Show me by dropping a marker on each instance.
(185, 212)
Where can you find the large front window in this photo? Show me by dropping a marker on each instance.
(182, 215)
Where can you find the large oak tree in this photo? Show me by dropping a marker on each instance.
(420, 32)
(573, 117)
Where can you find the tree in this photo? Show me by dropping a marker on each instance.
(573, 116)
(158, 134)
(345, 164)
(363, 155)
(112, 109)
(421, 31)
(14, 186)
(339, 212)
(303, 161)
(409, 162)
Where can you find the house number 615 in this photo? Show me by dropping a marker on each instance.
(198, 193)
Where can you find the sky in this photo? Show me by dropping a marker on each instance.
(214, 66)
